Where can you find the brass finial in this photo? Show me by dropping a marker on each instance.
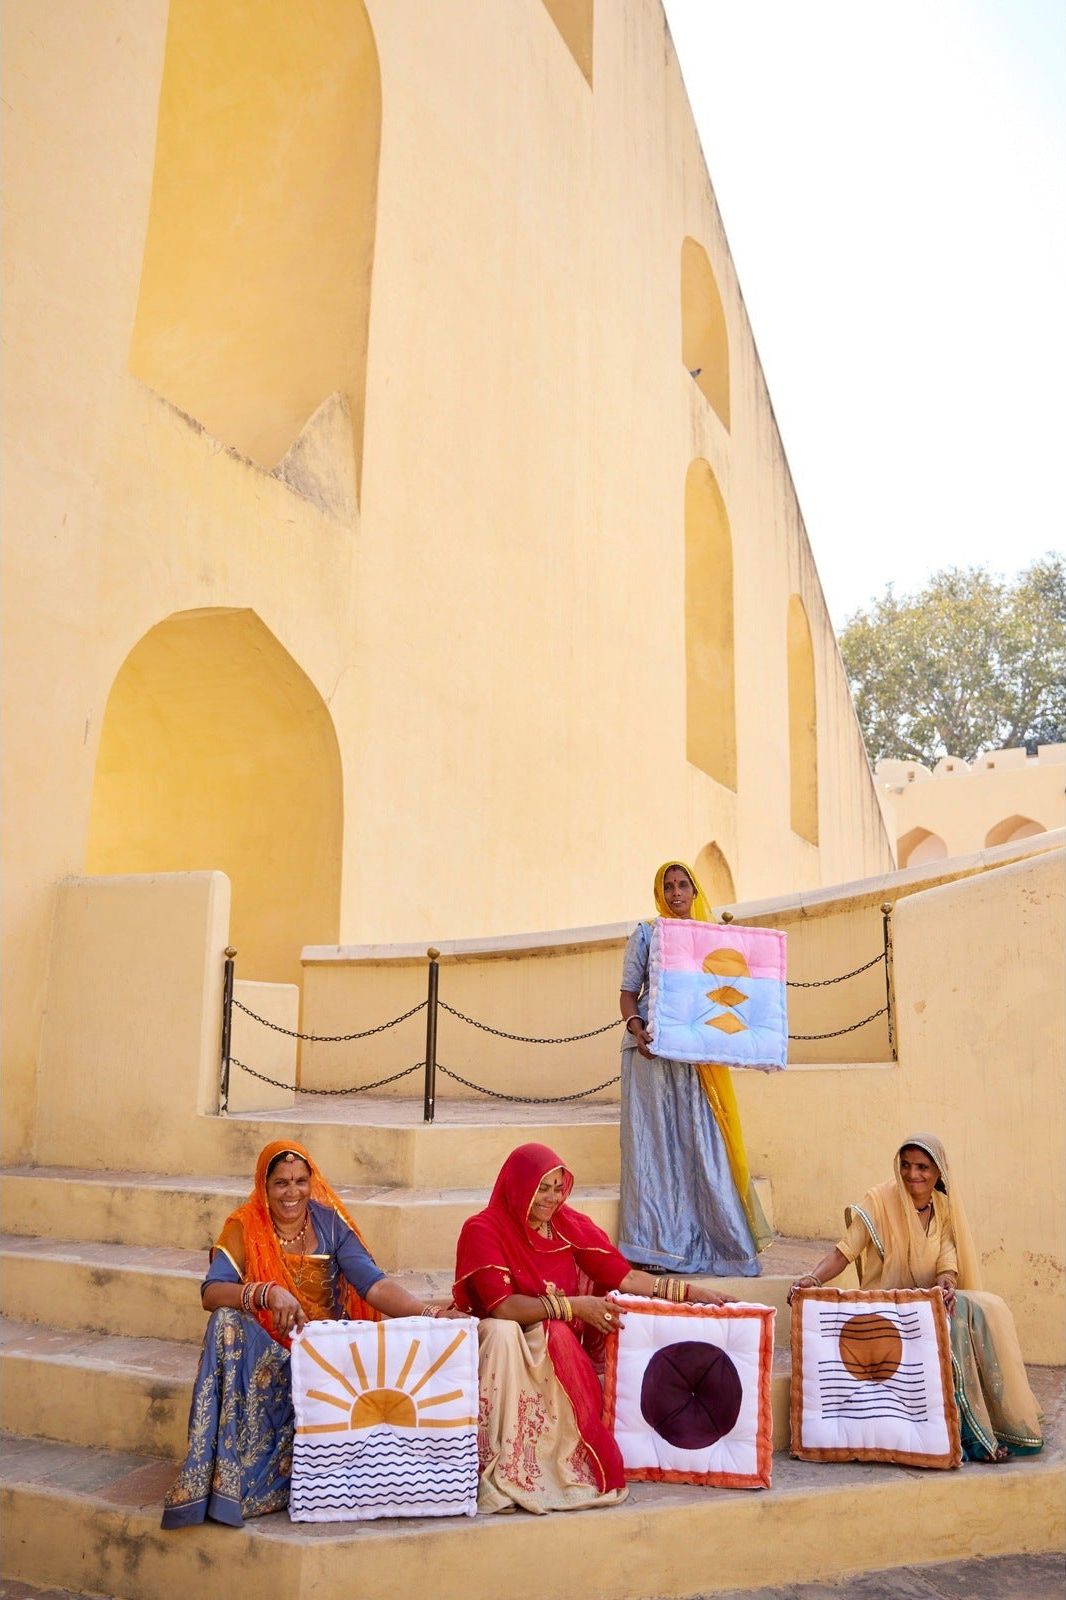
(727, 916)
(886, 908)
(433, 954)
(229, 952)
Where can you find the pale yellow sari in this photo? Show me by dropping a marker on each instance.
(891, 1250)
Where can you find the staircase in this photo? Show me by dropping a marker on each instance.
(100, 1338)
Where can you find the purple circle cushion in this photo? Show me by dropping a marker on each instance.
(691, 1394)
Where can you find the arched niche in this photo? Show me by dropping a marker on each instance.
(574, 20)
(919, 847)
(1012, 828)
(217, 751)
(802, 724)
(255, 287)
(710, 701)
(704, 337)
(716, 880)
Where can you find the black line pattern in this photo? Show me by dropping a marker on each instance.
(384, 1473)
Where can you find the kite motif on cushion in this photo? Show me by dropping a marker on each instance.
(386, 1420)
(687, 1392)
(871, 1377)
(717, 993)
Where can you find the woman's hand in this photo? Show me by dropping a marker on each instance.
(808, 1281)
(606, 1316)
(946, 1284)
(697, 1295)
(289, 1315)
(640, 1033)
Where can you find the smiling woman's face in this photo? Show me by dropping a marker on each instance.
(288, 1191)
(548, 1198)
(678, 891)
(920, 1174)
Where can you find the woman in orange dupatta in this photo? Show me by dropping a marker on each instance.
(289, 1255)
(537, 1272)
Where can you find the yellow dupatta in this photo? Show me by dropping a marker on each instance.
(897, 1235)
(991, 1383)
(717, 1081)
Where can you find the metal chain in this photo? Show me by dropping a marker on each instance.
(359, 1088)
(328, 1038)
(525, 1038)
(838, 1031)
(822, 983)
(528, 1099)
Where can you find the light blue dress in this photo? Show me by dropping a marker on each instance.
(679, 1205)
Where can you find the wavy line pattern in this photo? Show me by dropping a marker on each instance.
(384, 1473)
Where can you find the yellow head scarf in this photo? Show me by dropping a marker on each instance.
(701, 911)
(715, 1079)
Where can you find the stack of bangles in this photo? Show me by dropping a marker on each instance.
(254, 1296)
(557, 1307)
(675, 1289)
(430, 1311)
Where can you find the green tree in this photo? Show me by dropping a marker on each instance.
(970, 663)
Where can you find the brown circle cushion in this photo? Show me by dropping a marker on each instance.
(691, 1394)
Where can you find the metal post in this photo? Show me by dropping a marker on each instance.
(429, 1099)
(886, 934)
(227, 1027)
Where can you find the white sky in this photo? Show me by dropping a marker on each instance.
(892, 184)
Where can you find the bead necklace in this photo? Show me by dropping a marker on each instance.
(287, 1241)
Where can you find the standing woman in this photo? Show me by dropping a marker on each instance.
(687, 1203)
(291, 1254)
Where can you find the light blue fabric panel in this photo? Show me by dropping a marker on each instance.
(683, 1013)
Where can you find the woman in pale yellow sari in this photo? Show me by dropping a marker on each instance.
(912, 1233)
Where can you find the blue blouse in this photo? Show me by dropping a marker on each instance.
(635, 975)
(348, 1257)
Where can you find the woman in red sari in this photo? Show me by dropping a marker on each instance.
(537, 1273)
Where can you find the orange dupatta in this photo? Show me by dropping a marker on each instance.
(264, 1259)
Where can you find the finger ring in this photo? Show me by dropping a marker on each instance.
(607, 1317)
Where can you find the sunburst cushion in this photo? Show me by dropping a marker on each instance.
(386, 1420)
(717, 993)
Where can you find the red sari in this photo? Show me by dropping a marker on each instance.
(500, 1254)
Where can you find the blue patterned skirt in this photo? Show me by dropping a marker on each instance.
(240, 1428)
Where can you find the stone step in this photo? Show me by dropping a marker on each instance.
(133, 1394)
(361, 1140)
(88, 1520)
(150, 1292)
(403, 1227)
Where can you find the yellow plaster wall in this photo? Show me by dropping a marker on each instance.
(217, 751)
(498, 629)
(710, 659)
(980, 982)
(574, 20)
(130, 1045)
(255, 290)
